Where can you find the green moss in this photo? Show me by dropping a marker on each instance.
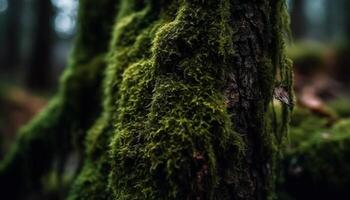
(316, 161)
(130, 43)
(53, 133)
(308, 58)
(341, 106)
(172, 123)
(157, 128)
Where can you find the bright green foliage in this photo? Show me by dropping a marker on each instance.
(185, 101)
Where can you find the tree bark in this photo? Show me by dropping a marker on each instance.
(188, 95)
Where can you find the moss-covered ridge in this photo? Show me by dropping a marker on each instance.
(179, 121)
(168, 111)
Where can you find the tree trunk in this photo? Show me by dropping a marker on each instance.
(59, 129)
(12, 37)
(39, 67)
(298, 19)
(187, 100)
(347, 20)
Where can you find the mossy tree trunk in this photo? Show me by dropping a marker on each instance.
(187, 102)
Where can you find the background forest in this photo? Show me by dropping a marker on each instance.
(36, 37)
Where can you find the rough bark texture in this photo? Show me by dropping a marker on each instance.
(187, 101)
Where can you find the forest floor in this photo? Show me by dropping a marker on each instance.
(17, 107)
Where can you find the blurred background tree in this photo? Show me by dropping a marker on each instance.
(35, 39)
(10, 45)
(36, 36)
(39, 65)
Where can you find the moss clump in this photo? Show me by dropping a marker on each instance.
(308, 58)
(316, 163)
(175, 137)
